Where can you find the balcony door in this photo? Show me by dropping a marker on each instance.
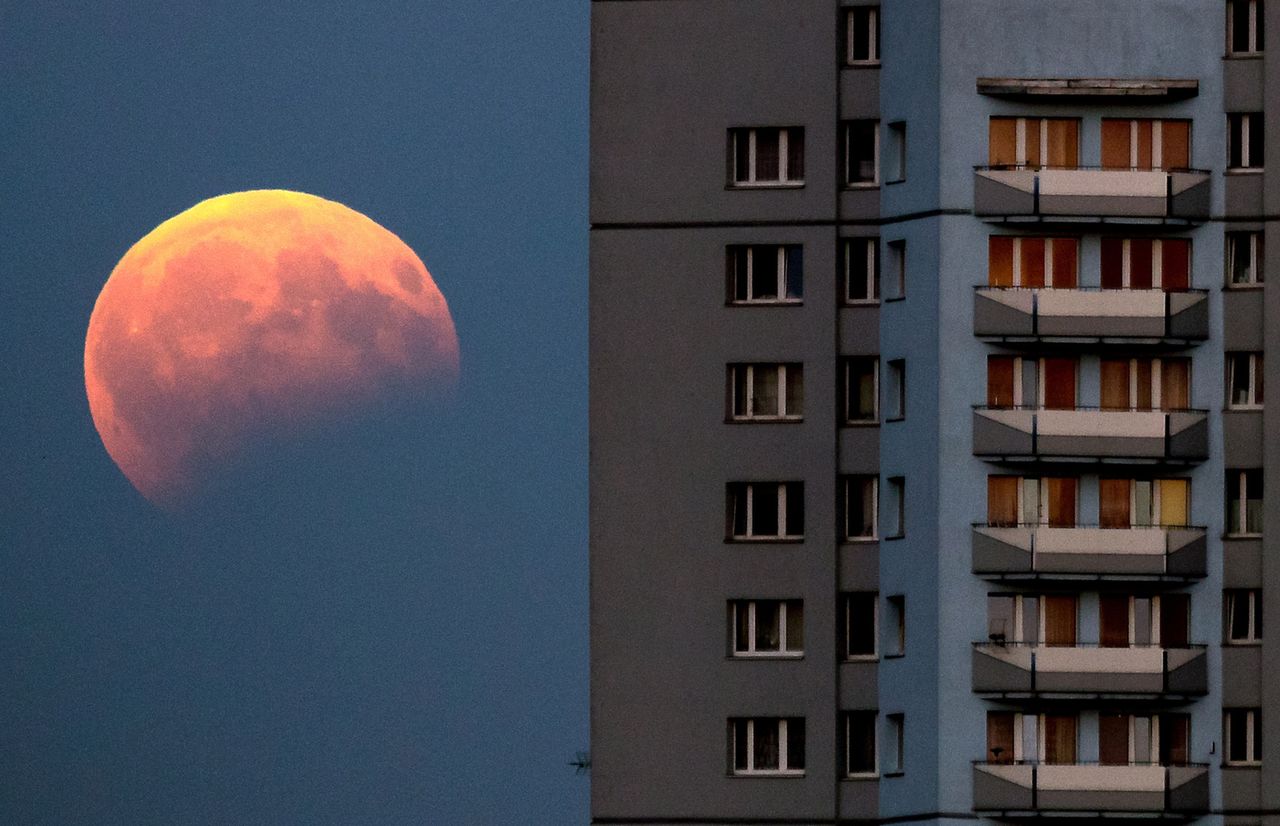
(1060, 735)
(1026, 261)
(1059, 620)
(1115, 506)
(1175, 739)
(1145, 384)
(1059, 383)
(1113, 621)
(1145, 143)
(1000, 737)
(1113, 739)
(1034, 143)
(1146, 264)
(1175, 620)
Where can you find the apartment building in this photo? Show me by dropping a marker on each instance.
(928, 421)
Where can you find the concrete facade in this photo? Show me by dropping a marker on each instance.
(677, 86)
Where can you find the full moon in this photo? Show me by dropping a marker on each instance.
(248, 314)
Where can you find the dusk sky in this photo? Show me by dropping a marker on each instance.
(382, 622)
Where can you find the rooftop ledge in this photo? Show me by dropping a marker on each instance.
(1152, 88)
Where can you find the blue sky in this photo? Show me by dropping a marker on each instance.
(392, 628)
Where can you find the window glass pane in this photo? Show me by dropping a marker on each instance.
(1000, 620)
(1235, 140)
(764, 510)
(860, 35)
(1113, 739)
(1237, 615)
(741, 760)
(795, 509)
(1059, 738)
(795, 743)
(1032, 260)
(1142, 627)
(1175, 138)
(767, 625)
(1241, 255)
(1002, 501)
(1030, 621)
(1145, 153)
(1113, 503)
(767, 159)
(1033, 127)
(795, 154)
(1112, 264)
(1237, 736)
(1256, 147)
(1175, 739)
(1140, 257)
(765, 753)
(1142, 502)
(1115, 144)
(737, 266)
(1238, 378)
(1175, 496)
(862, 742)
(1175, 384)
(1000, 383)
(1000, 736)
(862, 390)
(764, 272)
(1115, 384)
(741, 155)
(1060, 383)
(741, 627)
(1003, 142)
(1064, 143)
(1253, 503)
(860, 625)
(795, 625)
(795, 390)
(1000, 261)
(1065, 263)
(1240, 25)
(1232, 486)
(795, 272)
(861, 160)
(1175, 264)
(764, 389)
(1175, 617)
(1031, 501)
(738, 502)
(1113, 616)
(860, 507)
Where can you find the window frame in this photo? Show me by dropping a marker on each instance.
(1253, 727)
(897, 390)
(746, 372)
(782, 278)
(873, 716)
(751, 609)
(847, 145)
(1240, 135)
(1241, 478)
(897, 489)
(786, 135)
(849, 363)
(872, 21)
(898, 264)
(784, 756)
(871, 255)
(897, 761)
(898, 616)
(746, 490)
(867, 598)
(1255, 390)
(848, 483)
(1257, 253)
(1253, 615)
(898, 144)
(1254, 45)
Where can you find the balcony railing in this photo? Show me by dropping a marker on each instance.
(1027, 669)
(1090, 434)
(1092, 314)
(1035, 550)
(1090, 788)
(1140, 195)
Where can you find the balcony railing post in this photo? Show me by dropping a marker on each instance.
(1168, 317)
(1035, 312)
(1168, 194)
(1033, 671)
(1164, 671)
(1035, 787)
(1035, 195)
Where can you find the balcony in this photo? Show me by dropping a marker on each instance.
(1126, 316)
(1091, 789)
(1012, 195)
(1041, 551)
(1029, 670)
(1090, 435)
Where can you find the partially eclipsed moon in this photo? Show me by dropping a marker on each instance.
(244, 314)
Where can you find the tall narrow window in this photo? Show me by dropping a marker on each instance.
(897, 286)
(1146, 264)
(765, 273)
(1245, 21)
(1002, 381)
(766, 510)
(1026, 261)
(1002, 501)
(766, 392)
(1242, 730)
(895, 760)
(860, 743)
(898, 147)
(862, 153)
(767, 627)
(896, 397)
(860, 506)
(897, 625)
(1243, 616)
(861, 270)
(1244, 381)
(1146, 144)
(862, 33)
(1244, 259)
(1033, 143)
(766, 745)
(1058, 390)
(1145, 384)
(862, 389)
(860, 627)
(1244, 140)
(897, 507)
(1244, 502)
(1000, 736)
(766, 156)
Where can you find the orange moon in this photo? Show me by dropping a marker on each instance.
(247, 314)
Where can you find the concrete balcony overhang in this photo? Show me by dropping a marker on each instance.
(1093, 89)
(1041, 551)
(1011, 314)
(1140, 196)
(1090, 789)
(1091, 435)
(1023, 670)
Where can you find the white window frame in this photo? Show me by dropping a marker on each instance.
(1252, 752)
(1253, 238)
(1242, 491)
(783, 769)
(785, 134)
(871, 252)
(750, 608)
(1252, 46)
(1254, 362)
(782, 273)
(1252, 598)
(875, 150)
(875, 507)
(747, 372)
(872, 21)
(849, 362)
(749, 489)
(875, 743)
(1238, 131)
(875, 626)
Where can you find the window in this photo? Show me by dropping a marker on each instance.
(897, 270)
(862, 389)
(898, 147)
(765, 273)
(1141, 739)
(862, 36)
(1244, 27)
(1033, 143)
(862, 153)
(766, 745)
(1244, 140)
(860, 506)
(766, 156)
(766, 392)
(896, 759)
(767, 627)
(1031, 738)
(1014, 618)
(1145, 384)
(1244, 258)
(897, 395)
(1014, 381)
(897, 626)
(897, 512)
(1244, 502)
(1017, 500)
(860, 744)
(1146, 264)
(860, 625)
(1242, 731)
(1125, 621)
(1243, 621)
(766, 510)
(1137, 503)
(1244, 381)
(1026, 261)
(861, 270)
(1145, 143)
